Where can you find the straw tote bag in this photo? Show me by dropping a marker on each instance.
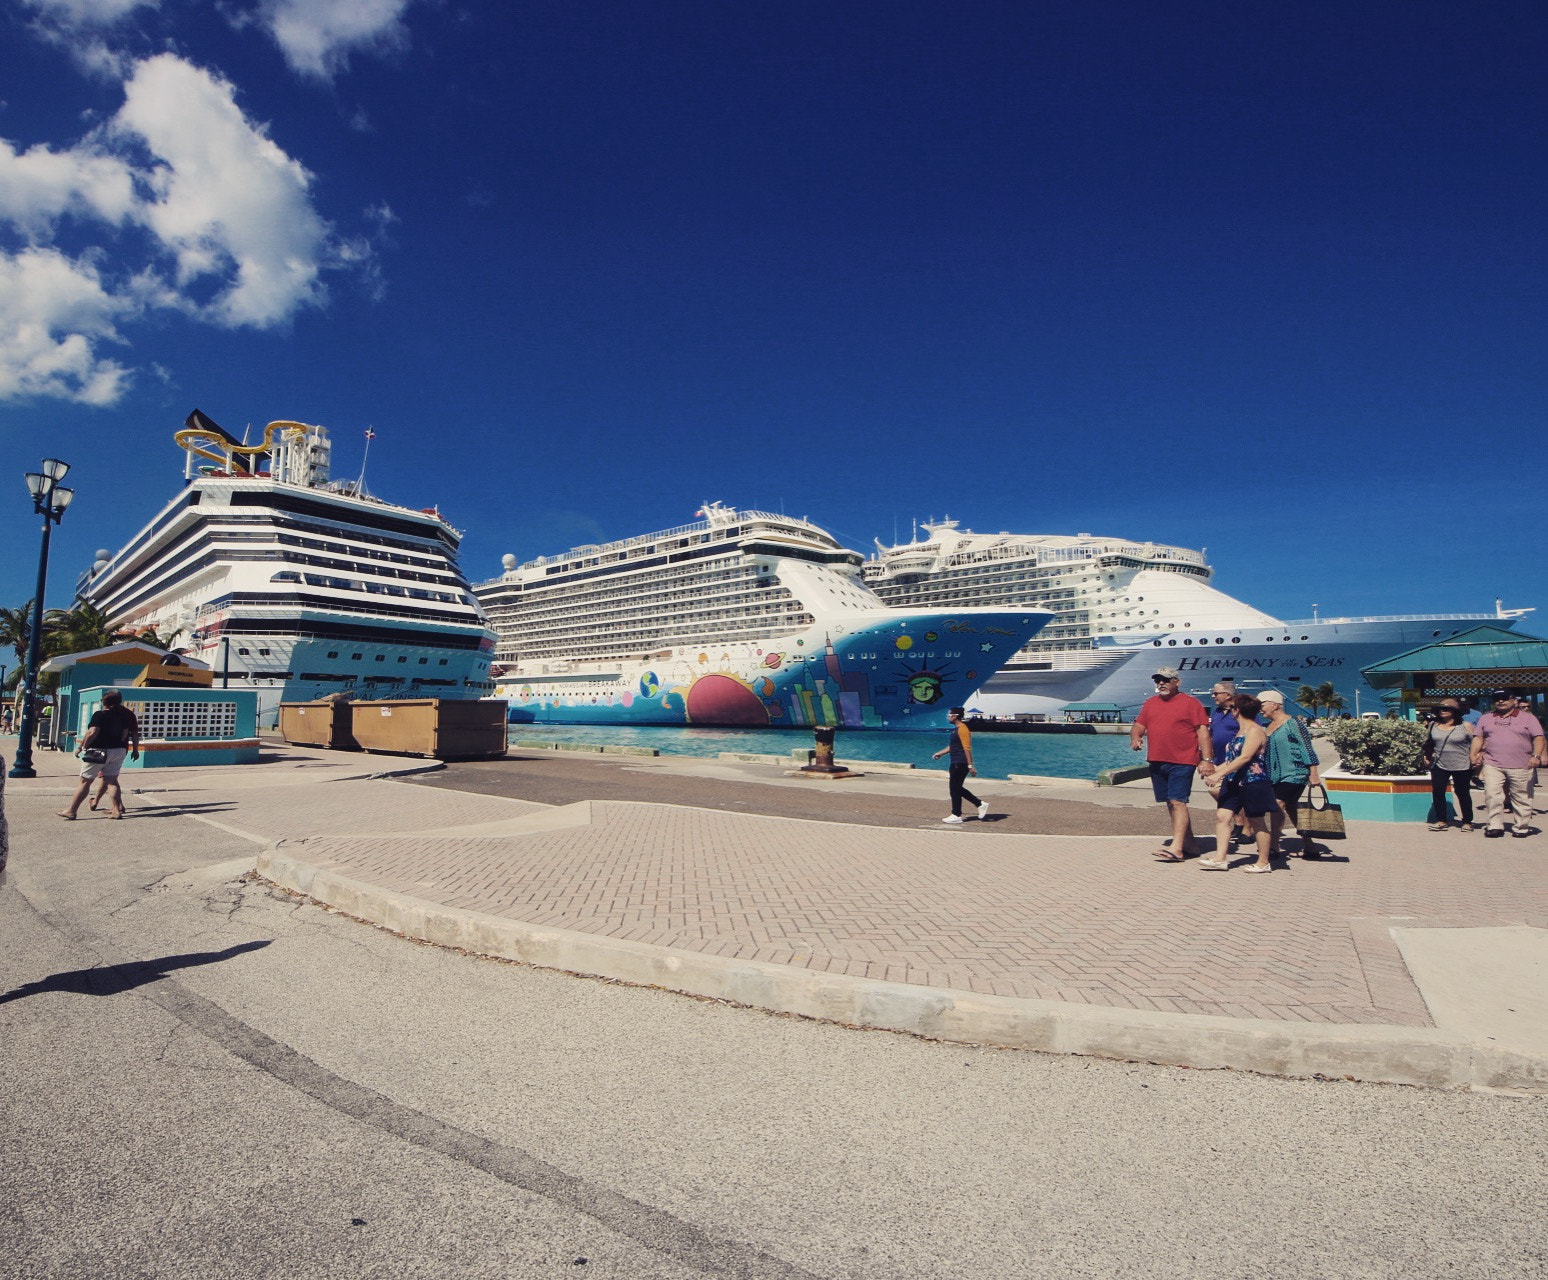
(1317, 815)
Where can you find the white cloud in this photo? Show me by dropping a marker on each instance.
(194, 206)
(54, 313)
(80, 14)
(227, 200)
(317, 36)
(38, 186)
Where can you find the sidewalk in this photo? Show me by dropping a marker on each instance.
(1409, 957)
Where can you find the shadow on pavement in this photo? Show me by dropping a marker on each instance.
(111, 980)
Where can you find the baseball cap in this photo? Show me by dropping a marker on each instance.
(1166, 673)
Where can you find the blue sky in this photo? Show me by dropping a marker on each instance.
(1268, 281)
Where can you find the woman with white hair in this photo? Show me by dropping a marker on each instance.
(1292, 763)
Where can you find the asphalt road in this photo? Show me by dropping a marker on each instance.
(203, 1077)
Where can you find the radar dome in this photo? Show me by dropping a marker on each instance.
(103, 554)
(509, 561)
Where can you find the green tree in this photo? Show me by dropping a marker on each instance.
(1324, 697)
(16, 630)
(149, 635)
(1306, 695)
(78, 629)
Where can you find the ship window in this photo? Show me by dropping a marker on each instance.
(1236, 639)
(443, 662)
(1305, 637)
(1202, 640)
(402, 658)
(243, 652)
(423, 661)
(333, 653)
(1173, 643)
(1187, 641)
(381, 658)
(1219, 640)
(354, 657)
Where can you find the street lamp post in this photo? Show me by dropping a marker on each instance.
(49, 500)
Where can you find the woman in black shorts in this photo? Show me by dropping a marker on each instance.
(1244, 786)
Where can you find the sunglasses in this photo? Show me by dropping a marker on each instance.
(1165, 679)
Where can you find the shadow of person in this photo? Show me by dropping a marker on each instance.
(177, 809)
(112, 979)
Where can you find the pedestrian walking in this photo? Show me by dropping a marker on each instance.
(1292, 765)
(1176, 727)
(1448, 754)
(112, 733)
(1222, 728)
(1508, 744)
(1244, 788)
(960, 748)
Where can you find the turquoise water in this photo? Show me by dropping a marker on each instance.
(996, 755)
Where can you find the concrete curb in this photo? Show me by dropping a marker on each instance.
(1380, 1054)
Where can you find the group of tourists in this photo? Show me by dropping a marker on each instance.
(1501, 747)
(1258, 762)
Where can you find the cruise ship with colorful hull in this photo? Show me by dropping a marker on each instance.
(296, 585)
(1123, 608)
(744, 618)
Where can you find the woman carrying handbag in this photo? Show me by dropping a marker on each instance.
(1448, 753)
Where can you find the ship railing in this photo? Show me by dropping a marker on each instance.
(592, 551)
(1148, 551)
(1396, 617)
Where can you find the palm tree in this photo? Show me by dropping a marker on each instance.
(16, 630)
(148, 635)
(1325, 697)
(78, 629)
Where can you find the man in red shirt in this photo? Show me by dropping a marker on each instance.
(1178, 729)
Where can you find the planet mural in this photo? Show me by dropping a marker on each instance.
(718, 699)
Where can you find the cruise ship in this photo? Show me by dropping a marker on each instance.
(1122, 608)
(294, 584)
(743, 618)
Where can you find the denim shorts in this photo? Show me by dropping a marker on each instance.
(1171, 781)
(1255, 799)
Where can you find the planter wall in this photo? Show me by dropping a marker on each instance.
(1380, 798)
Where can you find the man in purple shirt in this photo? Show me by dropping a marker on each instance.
(1508, 743)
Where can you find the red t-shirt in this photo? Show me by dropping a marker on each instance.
(1172, 728)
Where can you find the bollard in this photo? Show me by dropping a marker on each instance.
(822, 765)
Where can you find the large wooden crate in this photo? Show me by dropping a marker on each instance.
(442, 728)
(328, 723)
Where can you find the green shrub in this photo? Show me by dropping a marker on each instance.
(1380, 746)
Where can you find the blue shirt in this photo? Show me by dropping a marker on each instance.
(1222, 728)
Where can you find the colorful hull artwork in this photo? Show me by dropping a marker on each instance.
(894, 671)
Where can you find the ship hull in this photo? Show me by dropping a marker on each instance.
(884, 670)
(1299, 654)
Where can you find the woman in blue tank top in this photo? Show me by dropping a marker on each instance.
(1244, 787)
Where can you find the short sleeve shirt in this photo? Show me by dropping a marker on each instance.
(1172, 728)
(1507, 740)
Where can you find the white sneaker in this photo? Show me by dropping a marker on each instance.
(983, 811)
(952, 817)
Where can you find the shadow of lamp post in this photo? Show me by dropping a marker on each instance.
(49, 500)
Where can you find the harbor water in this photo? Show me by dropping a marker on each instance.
(996, 755)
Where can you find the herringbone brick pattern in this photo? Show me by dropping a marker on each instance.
(1088, 919)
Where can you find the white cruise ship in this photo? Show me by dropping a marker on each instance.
(1122, 608)
(295, 585)
(744, 618)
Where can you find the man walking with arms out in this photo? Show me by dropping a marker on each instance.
(1508, 742)
(1177, 727)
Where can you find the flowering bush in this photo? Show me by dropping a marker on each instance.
(1394, 747)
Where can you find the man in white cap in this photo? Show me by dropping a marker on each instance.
(1177, 727)
(1292, 766)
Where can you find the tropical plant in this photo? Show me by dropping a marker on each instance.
(1322, 697)
(16, 630)
(149, 635)
(1385, 747)
(78, 629)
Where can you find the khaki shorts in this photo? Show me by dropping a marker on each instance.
(108, 768)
